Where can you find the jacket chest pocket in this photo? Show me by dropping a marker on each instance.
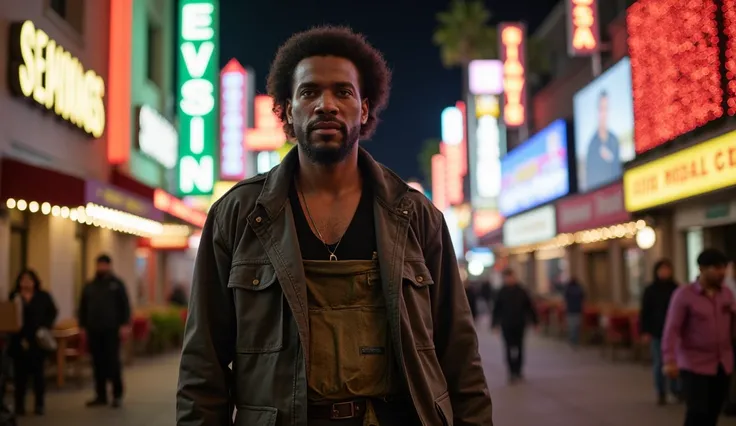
(259, 308)
(416, 282)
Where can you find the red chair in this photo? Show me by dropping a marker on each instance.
(617, 333)
(591, 323)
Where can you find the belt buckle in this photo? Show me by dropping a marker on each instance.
(336, 410)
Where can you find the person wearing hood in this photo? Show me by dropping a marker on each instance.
(652, 317)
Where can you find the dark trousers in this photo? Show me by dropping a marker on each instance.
(29, 364)
(705, 395)
(104, 347)
(513, 339)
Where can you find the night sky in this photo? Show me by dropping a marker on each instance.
(251, 31)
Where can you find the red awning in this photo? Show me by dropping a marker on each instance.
(23, 181)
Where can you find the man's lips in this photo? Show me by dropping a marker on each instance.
(321, 125)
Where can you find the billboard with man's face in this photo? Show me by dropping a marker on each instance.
(604, 127)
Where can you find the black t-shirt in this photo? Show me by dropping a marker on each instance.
(358, 242)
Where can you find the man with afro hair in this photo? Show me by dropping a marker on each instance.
(327, 291)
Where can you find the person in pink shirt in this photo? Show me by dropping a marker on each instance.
(697, 340)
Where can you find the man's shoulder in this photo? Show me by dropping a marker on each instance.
(242, 195)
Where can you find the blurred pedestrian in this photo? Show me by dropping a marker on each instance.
(730, 283)
(30, 346)
(697, 340)
(574, 295)
(512, 313)
(104, 314)
(655, 303)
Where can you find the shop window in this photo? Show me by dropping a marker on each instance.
(636, 274)
(154, 54)
(70, 11)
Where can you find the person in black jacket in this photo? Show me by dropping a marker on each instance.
(574, 300)
(652, 316)
(104, 313)
(39, 311)
(512, 312)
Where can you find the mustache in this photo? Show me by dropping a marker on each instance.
(326, 119)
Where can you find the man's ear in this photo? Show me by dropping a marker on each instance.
(364, 111)
(289, 118)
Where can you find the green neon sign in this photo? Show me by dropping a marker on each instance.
(198, 95)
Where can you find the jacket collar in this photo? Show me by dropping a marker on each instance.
(387, 187)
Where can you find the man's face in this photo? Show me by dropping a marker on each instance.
(603, 112)
(326, 108)
(713, 275)
(664, 273)
(103, 267)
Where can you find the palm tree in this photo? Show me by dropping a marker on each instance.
(465, 34)
(430, 147)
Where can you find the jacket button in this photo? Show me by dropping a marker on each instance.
(256, 282)
(420, 278)
(258, 219)
(406, 212)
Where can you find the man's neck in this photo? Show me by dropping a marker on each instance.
(707, 288)
(335, 179)
(603, 134)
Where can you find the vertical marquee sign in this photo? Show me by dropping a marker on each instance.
(513, 56)
(197, 95)
(583, 36)
(233, 120)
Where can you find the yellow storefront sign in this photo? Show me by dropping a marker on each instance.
(703, 168)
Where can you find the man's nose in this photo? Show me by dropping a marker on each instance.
(326, 104)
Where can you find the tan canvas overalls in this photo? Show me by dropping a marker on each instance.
(351, 355)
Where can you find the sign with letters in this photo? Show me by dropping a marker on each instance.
(157, 137)
(43, 71)
(197, 95)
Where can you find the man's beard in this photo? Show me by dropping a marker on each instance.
(327, 155)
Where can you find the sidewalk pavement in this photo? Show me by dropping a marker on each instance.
(562, 388)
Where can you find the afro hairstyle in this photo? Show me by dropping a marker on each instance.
(342, 42)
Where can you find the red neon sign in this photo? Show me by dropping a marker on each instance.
(675, 89)
(118, 82)
(464, 143)
(439, 185)
(729, 26)
(453, 172)
(167, 203)
(583, 34)
(485, 221)
(268, 134)
(233, 120)
(513, 45)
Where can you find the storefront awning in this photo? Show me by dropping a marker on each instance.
(22, 181)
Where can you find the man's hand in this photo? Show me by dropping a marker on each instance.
(671, 371)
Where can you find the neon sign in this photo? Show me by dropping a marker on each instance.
(583, 34)
(268, 135)
(42, 70)
(167, 203)
(157, 137)
(452, 125)
(233, 120)
(513, 44)
(197, 88)
(439, 185)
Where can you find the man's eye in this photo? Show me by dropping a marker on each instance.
(307, 93)
(345, 93)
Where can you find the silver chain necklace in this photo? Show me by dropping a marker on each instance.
(333, 257)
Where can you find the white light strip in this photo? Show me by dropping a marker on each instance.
(94, 215)
(623, 230)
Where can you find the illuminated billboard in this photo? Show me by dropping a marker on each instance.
(536, 172)
(513, 57)
(604, 127)
(675, 67)
(485, 77)
(197, 95)
(233, 120)
(43, 71)
(583, 35)
(157, 137)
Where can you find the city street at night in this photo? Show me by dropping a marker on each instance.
(563, 388)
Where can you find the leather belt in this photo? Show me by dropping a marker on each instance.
(338, 411)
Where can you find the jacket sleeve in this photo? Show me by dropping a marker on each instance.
(51, 312)
(123, 304)
(203, 395)
(645, 313)
(676, 317)
(456, 341)
(82, 314)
